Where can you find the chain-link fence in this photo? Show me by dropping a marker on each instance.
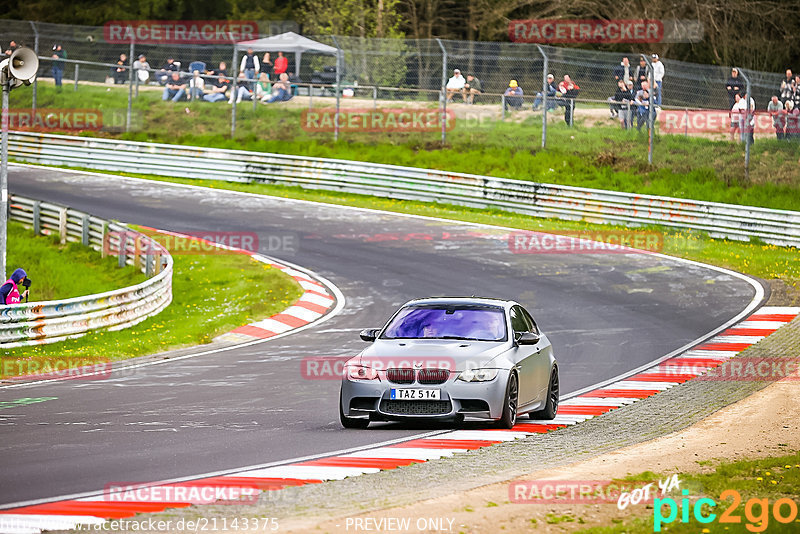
(372, 75)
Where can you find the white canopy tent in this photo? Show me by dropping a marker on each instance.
(288, 42)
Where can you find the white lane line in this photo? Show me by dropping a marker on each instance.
(643, 384)
(593, 401)
(405, 453)
(308, 472)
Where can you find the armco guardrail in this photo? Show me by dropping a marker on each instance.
(779, 227)
(50, 321)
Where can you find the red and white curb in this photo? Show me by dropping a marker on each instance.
(96, 509)
(315, 302)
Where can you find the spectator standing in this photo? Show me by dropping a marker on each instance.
(165, 73)
(220, 84)
(792, 132)
(734, 86)
(786, 87)
(642, 74)
(568, 90)
(9, 291)
(513, 95)
(120, 73)
(471, 88)
(551, 95)
(58, 65)
(455, 85)
(250, 66)
(623, 71)
(735, 115)
(658, 78)
(175, 88)
(642, 100)
(281, 64)
(281, 90)
(627, 106)
(142, 69)
(746, 126)
(266, 64)
(775, 109)
(615, 101)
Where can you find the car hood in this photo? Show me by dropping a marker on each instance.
(442, 353)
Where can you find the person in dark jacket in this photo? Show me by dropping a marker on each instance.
(615, 101)
(551, 95)
(58, 65)
(734, 86)
(9, 291)
(623, 71)
(641, 74)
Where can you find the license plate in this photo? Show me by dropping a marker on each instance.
(415, 394)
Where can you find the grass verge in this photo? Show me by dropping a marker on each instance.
(600, 156)
(766, 481)
(212, 294)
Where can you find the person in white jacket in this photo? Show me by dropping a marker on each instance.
(658, 78)
(746, 126)
(249, 66)
(455, 85)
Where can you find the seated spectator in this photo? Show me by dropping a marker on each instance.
(175, 88)
(641, 74)
(164, 74)
(792, 132)
(281, 90)
(568, 91)
(551, 95)
(281, 64)
(242, 90)
(775, 109)
(219, 85)
(471, 88)
(735, 115)
(734, 86)
(622, 72)
(627, 106)
(263, 87)
(614, 102)
(120, 73)
(142, 69)
(642, 100)
(455, 85)
(196, 86)
(513, 95)
(12, 47)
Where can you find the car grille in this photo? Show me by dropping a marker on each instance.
(400, 376)
(433, 376)
(416, 407)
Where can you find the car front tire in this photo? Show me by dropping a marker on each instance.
(510, 402)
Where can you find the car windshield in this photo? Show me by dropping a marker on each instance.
(448, 322)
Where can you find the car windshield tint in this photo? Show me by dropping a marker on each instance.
(473, 323)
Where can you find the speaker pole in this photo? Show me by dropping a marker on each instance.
(4, 179)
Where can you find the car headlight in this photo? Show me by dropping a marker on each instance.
(478, 375)
(360, 372)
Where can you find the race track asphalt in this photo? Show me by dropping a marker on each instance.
(604, 313)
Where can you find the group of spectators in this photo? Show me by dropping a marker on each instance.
(254, 80)
(632, 96)
(784, 107)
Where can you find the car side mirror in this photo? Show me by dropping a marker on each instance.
(369, 334)
(527, 338)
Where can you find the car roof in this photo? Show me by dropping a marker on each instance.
(480, 301)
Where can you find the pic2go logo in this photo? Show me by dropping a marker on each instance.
(756, 511)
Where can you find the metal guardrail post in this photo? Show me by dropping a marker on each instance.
(105, 241)
(443, 97)
(62, 225)
(311, 96)
(148, 265)
(157, 263)
(37, 218)
(130, 89)
(749, 132)
(686, 122)
(374, 97)
(123, 249)
(544, 95)
(75, 88)
(85, 231)
(234, 88)
(503, 106)
(571, 111)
